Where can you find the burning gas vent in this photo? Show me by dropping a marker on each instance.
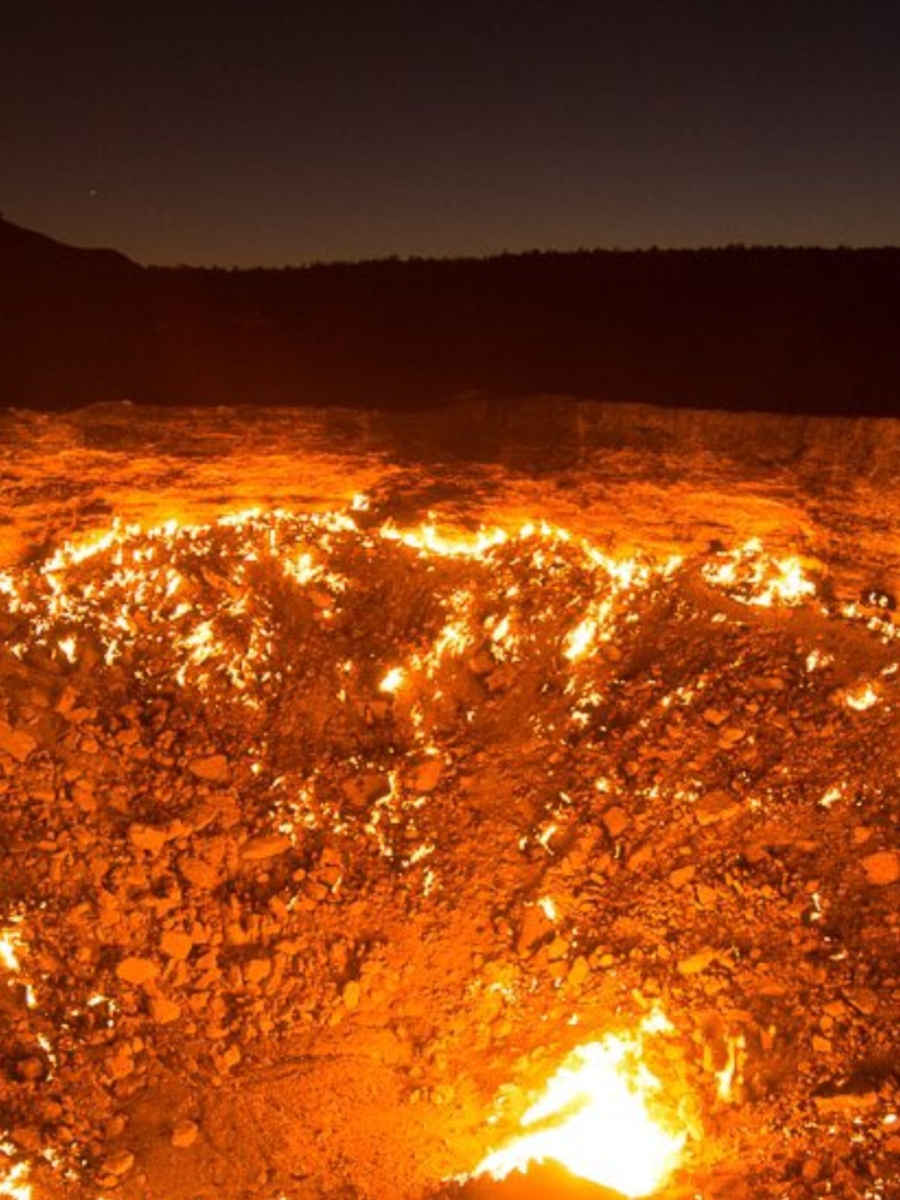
(338, 857)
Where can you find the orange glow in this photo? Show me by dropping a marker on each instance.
(14, 1183)
(862, 698)
(594, 1118)
(403, 640)
(427, 539)
(751, 576)
(10, 941)
(392, 681)
(580, 640)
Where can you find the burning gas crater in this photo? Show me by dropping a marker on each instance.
(357, 678)
(595, 1117)
(239, 616)
(209, 605)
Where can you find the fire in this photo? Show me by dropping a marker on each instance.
(594, 1119)
(753, 577)
(427, 539)
(862, 698)
(15, 1183)
(68, 646)
(392, 681)
(10, 942)
(581, 638)
(228, 610)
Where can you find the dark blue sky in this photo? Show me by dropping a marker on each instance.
(272, 133)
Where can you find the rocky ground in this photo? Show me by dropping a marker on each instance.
(315, 838)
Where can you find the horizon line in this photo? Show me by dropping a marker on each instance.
(463, 256)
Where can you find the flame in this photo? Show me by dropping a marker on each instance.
(14, 1183)
(580, 640)
(392, 681)
(199, 604)
(69, 648)
(753, 577)
(832, 796)
(862, 698)
(10, 943)
(195, 590)
(817, 659)
(731, 1073)
(593, 1119)
(427, 539)
(214, 608)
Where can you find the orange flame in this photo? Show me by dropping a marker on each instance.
(10, 944)
(14, 1183)
(593, 1119)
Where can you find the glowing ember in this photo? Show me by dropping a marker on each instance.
(730, 1073)
(10, 941)
(753, 577)
(817, 659)
(392, 681)
(579, 641)
(428, 540)
(831, 797)
(14, 1183)
(862, 698)
(594, 1119)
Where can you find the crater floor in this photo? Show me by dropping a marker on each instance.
(329, 829)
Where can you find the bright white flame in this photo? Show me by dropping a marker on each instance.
(68, 647)
(392, 681)
(593, 1120)
(428, 538)
(831, 797)
(790, 586)
(818, 658)
(731, 1072)
(579, 641)
(763, 581)
(303, 569)
(15, 1183)
(862, 698)
(546, 835)
(10, 941)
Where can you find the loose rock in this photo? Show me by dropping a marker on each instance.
(882, 868)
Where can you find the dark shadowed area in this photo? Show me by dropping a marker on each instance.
(771, 329)
(254, 134)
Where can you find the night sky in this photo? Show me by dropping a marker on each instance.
(273, 133)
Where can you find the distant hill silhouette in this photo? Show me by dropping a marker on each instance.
(808, 330)
(22, 249)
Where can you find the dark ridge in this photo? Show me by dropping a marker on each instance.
(24, 249)
(771, 329)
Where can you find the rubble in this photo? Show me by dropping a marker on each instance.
(882, 868)
(279, 932)
(184, 1134)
